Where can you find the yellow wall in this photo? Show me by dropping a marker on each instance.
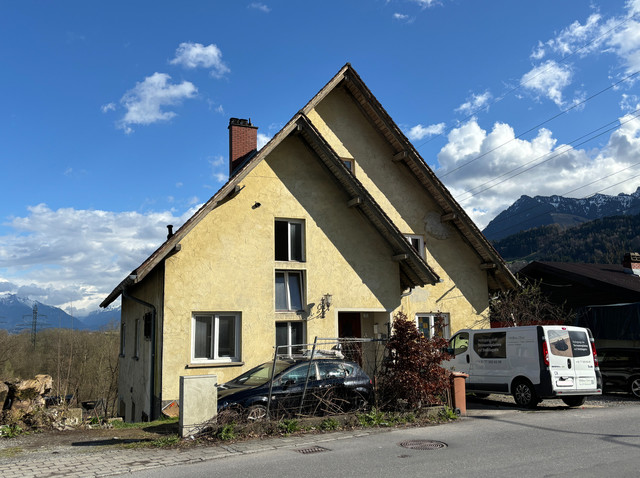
(226, 262)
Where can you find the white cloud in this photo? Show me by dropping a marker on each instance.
(402, 17)
(425, 3)
(548, 80)
(259, 6)
(144, 103)
(475, 103)
(196, 55)
(108, 107)
(262, 140)
(484, 189)
(418, 132)
(76, 256)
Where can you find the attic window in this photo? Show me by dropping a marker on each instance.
(289, 240)
(348, 163)
(417, 242)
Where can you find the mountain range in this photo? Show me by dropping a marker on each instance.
(17, 314)
(531, 212)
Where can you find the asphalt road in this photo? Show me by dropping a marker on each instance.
(558, 442)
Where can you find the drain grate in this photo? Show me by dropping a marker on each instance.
(313, 449)
(423, 444)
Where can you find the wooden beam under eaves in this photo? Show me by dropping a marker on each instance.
(400, 257)
(488, 266)
(356, 201)
(448, 217)
(400, 156)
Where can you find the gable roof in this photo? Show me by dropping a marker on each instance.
(414, 271)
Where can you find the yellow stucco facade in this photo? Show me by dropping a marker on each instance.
(226, 265)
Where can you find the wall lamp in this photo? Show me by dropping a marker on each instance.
(325, 304)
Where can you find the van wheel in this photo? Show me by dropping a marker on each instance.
(634, 387)
(574, 401)
(524, 394)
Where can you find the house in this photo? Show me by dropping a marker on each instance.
(329, 230)
(603, 297)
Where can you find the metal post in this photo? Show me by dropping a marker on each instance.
(306, 382)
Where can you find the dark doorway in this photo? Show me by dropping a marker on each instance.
(349, 324)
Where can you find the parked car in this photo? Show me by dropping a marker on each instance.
(620, 369)
(331, 386)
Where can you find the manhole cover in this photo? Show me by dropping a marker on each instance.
(423, 444)
(313, 449)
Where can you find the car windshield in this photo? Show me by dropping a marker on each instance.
(260, 375)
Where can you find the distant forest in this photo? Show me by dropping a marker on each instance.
(603, 241)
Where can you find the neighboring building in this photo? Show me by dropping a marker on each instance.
(339, 202)
(603, 297)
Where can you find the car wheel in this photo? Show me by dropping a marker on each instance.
(574, 401)
(524, 394)
(634, 387)
(256, 412)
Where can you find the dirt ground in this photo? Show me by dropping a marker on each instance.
(84, 439)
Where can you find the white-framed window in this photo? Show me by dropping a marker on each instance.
(435, 324)
(289, 334)
(136, 339)
(289, 240)
(215, 337)
(417, 242)
(123, 338)
(289, 291)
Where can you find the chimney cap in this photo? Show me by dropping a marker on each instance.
(241, 122)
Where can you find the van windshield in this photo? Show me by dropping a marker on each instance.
(565, 343)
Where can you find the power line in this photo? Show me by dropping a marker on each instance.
(553, 154)
(539, 125)
(565, 193)
(515, 88)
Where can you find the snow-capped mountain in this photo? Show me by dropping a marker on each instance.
(17, 314)
(528, 212)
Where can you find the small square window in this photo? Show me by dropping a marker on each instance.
(289, 240)
(216, 337)
(418, 244)
(348, 163)
(289, 291)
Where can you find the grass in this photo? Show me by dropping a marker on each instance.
(119, 424)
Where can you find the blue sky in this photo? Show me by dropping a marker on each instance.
(113, 115)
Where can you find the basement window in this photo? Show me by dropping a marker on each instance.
(215, 337)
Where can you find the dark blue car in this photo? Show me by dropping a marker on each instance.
(320, 386)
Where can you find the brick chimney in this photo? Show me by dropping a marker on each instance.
(243, 140)
(631, 263)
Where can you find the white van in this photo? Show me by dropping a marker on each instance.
(532, 363)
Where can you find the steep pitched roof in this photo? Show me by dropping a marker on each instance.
(414, 270)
